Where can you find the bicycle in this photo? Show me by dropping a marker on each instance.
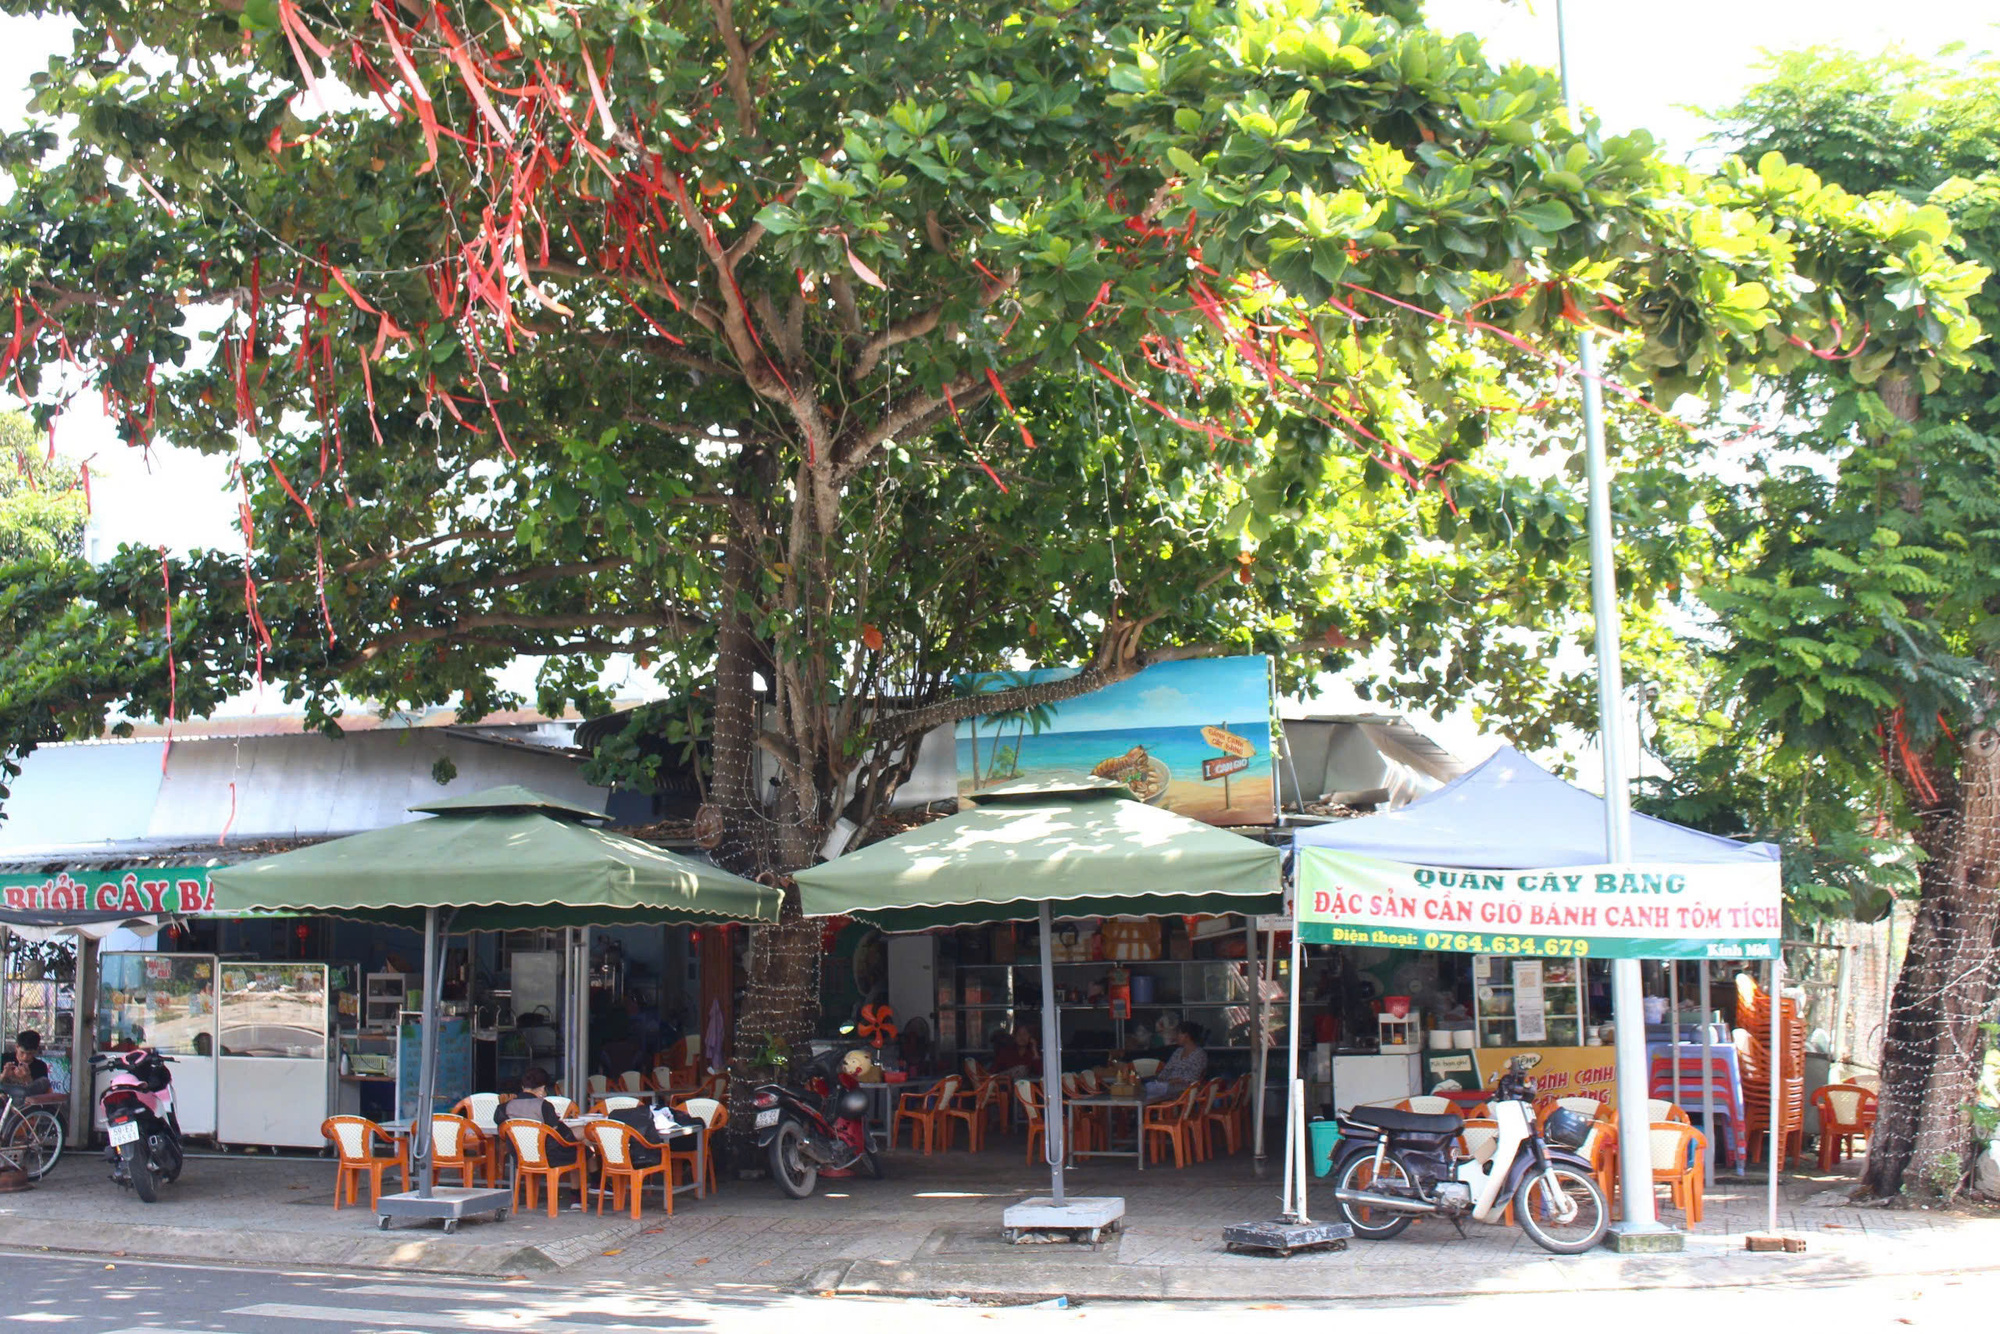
(31, 1137)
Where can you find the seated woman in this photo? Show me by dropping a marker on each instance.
(1185, 1067)
(1018, 1055)
(533, 1105)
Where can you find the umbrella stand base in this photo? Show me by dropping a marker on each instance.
(446, 1204)
(1281, 1236)
(1084, 1217)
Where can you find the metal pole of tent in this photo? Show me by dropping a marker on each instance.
(1628, 1015)
(420, 1127)
(1840, 1027)
(1263, 1057)
(1776, 1073)
(1256, 1021)
(1053, 1147)
(1295, 1101)
(1303, 1170)
(576, 1016)
(1708, 1086)
(1674, 1026)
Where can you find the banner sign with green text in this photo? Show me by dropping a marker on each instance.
(1648, 911)
(149, 892)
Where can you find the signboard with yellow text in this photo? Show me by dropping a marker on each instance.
(1653, 911)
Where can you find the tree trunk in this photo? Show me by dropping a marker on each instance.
(1932, 1052)
(1933, 1047)
(733, 737)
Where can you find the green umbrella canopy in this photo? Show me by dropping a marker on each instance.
(1082, 846)
(504, 858)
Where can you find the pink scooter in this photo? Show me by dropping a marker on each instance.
(144, 1133)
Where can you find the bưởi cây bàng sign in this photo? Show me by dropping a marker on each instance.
(1641, 911)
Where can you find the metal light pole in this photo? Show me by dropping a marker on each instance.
(1627, 992)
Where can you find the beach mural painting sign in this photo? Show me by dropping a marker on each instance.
(1192, 737)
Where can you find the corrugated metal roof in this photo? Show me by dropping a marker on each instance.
(76, 798)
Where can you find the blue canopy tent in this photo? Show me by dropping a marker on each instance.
(1510, 814)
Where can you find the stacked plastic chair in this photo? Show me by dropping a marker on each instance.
(1761, 1065)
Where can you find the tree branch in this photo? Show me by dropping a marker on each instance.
(737, 73)
(462, 631)
(900, 332)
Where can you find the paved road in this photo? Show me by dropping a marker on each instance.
(135, 1297)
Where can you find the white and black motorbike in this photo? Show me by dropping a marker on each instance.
(1393, 1167)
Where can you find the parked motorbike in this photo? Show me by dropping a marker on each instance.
(1394, 1167)
(817, 1124)
(139, 1119)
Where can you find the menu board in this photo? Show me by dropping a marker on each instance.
(1530, 1010)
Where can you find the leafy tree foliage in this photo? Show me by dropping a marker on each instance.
(813, 355)
(1859, 587)
(43, 505)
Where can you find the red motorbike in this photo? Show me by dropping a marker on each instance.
(819, 1124)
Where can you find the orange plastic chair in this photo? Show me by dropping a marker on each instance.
(1220, 1116)
(354, 1141)
(1091, 1127)
(714, 1116)
(1240, 1110)
(532, 1167)
(1678, 1150)
(617, 1172)
(1200, 1106)
(1602, 1151)
(923, 1111)
(1169, 1121)
(1428, 1104)
(457, 1145)
(969, 1109)
(616, 1102)
(1029, 1095)
(1846, 1112)
(483, 1109)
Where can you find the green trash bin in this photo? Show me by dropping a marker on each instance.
(1325, 1137)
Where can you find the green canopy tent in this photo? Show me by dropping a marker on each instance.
(1038, 851)
(496, 860)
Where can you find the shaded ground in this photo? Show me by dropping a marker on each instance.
(932, 1228)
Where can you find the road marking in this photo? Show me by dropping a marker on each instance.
(483, 1294)
(361, 1315)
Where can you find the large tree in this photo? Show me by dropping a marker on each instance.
(1860, 593)
(848, 349)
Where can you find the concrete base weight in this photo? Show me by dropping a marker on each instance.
(1650, 1240)
(1280, 1237)
(1086, 1217)
(446, 1204)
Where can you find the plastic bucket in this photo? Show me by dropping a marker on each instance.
(1325, 1138)
(1142, 989)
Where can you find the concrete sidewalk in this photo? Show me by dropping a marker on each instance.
(932, 1229)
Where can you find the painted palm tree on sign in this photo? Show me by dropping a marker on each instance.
(985, 683)
(1035, 716)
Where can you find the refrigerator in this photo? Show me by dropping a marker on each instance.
(274, 1076)
(164, 1001)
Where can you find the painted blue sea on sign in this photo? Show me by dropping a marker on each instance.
(1194, 737)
